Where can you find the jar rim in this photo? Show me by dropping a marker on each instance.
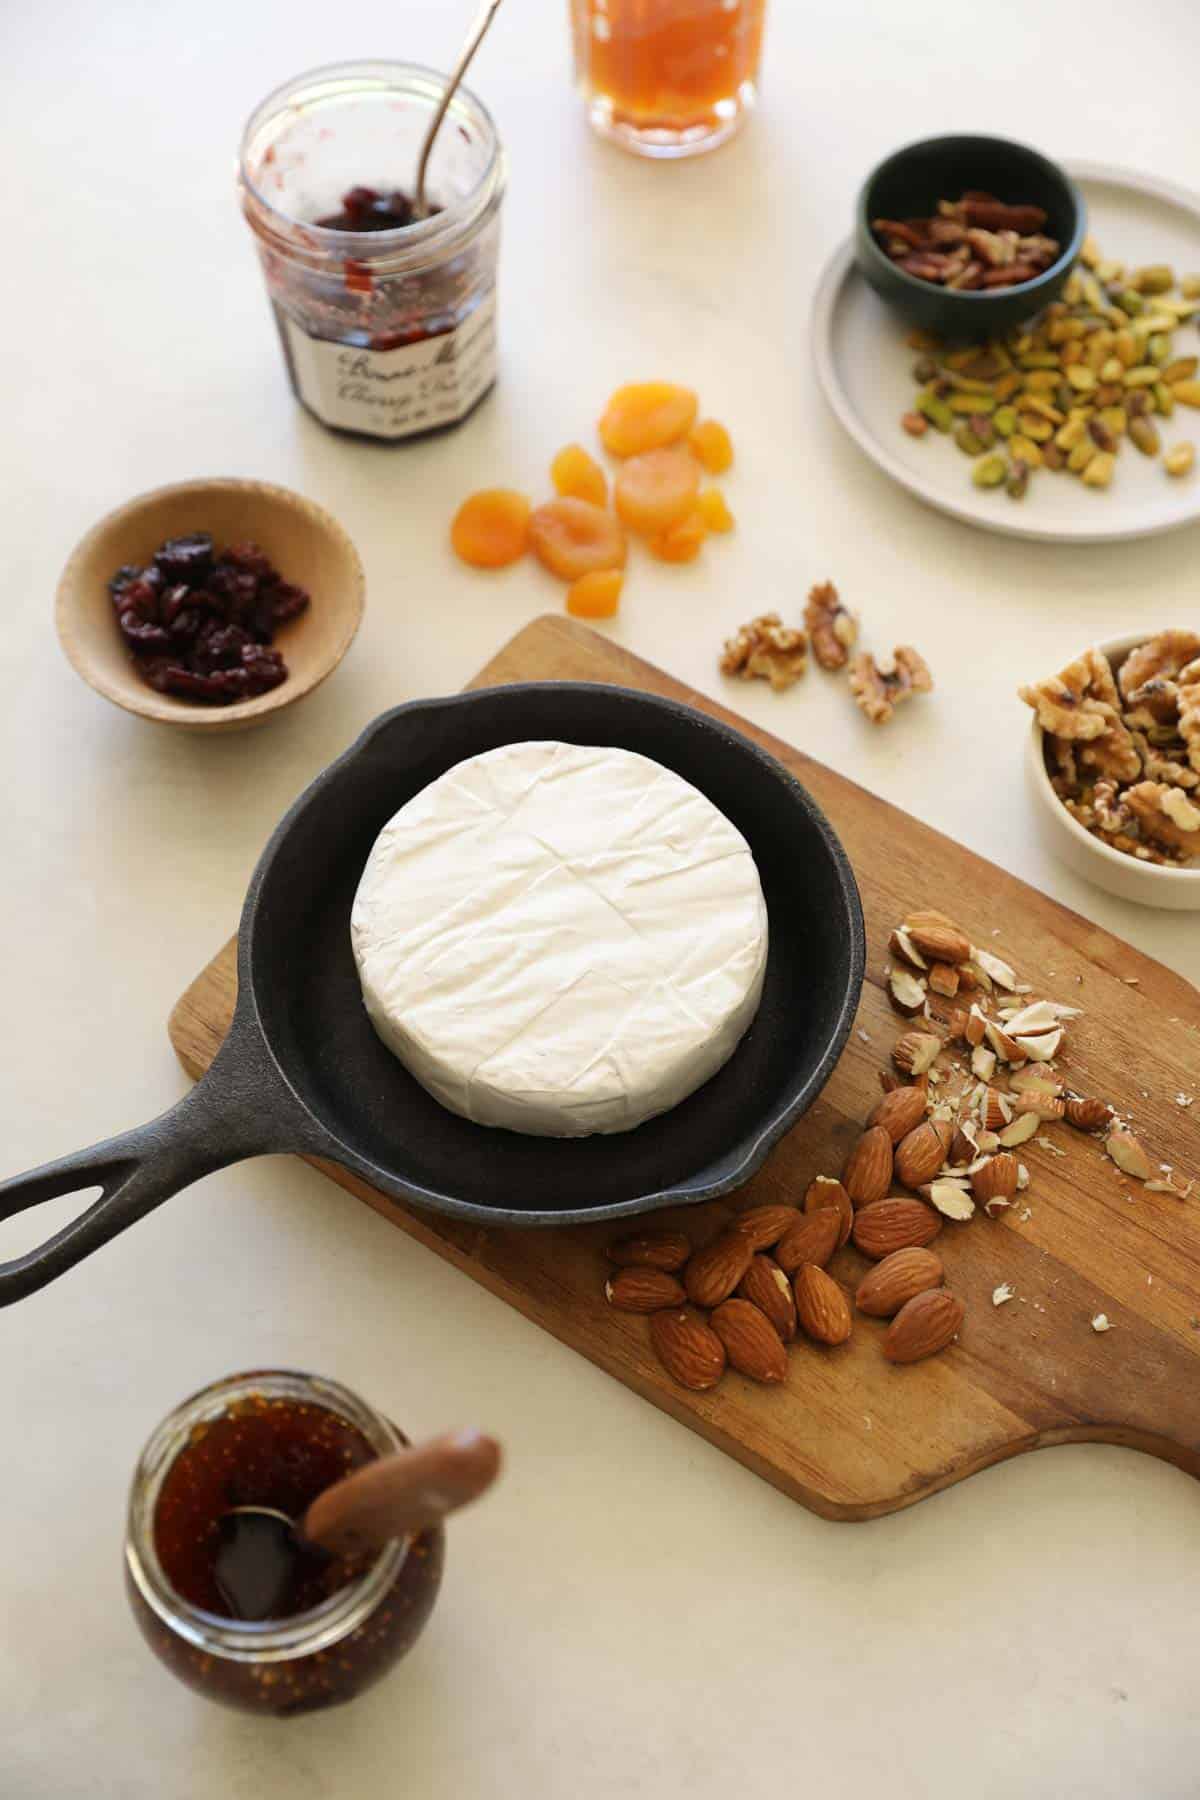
(250, 1640)
(427, 235)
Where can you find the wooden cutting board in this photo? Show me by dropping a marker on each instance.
(849, 1435)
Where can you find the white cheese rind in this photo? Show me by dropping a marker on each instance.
(560, 939)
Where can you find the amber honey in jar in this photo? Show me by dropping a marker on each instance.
(195, 1571)
(668, 77)
(387, 321)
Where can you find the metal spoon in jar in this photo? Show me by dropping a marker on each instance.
(393, 1497)
(475, 37)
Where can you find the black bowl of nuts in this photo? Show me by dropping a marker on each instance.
(968, 236)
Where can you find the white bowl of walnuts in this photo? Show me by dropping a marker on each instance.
(1114, 766)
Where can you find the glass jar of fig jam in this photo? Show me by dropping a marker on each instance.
(387, 321)
(270, 1438)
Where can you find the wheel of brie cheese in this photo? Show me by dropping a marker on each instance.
(560, 939)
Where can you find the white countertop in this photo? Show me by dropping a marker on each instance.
(631, 1613)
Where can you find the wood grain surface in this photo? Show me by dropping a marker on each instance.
(850, 1435)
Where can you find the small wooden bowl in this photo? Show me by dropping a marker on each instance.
(304, 542)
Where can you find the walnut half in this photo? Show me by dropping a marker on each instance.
(1166, 815)
(767, 648)
(879, 691)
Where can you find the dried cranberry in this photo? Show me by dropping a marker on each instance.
(286, 601)
(248, 558)
(141, 637)
(236, 590)
(186, 558)
(218, 647)
(173, 602)
(186, 624)
(138, 598)
(199, 624)
(124, 577)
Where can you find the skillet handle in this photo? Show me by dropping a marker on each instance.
(231, 1114)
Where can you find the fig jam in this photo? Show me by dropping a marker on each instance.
(274, 1453)
(199, 1574)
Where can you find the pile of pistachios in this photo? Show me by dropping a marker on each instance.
(1066, 390)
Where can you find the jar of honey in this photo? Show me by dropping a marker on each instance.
(197, 1574)
(386, 318)
(668, 77)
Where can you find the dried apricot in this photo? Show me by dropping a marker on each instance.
(579, 476)
(573, 537)
(712, 445)
(491, 528)
(645, 416)
(655, 489)
(595, 596)
(680, 542)
(716, 514)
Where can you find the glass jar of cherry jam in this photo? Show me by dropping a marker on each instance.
(387, 322)
(270, 1438)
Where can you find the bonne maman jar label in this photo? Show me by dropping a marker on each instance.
(396, 393)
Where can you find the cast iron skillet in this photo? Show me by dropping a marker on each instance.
(302, 1069)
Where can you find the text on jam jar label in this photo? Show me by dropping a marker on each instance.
(397, 393)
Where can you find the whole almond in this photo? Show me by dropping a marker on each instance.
(813, 1240)
(921, 1154)
(924, 1325)
(894, 1224)
(751, 1342)
(938, 938)
(824, 1193)
(996, 1179)
(867, 1175)
(766, 1286)
(887, 1287)
(688, 1349)
(715, 1271)
(642, 1290)
(821, 1307)
(1087, 1115)
(651, 1249)
(900, 1112)
(765, 1225)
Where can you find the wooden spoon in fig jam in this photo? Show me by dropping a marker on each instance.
(273, 1507)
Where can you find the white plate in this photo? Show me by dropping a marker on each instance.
(864, 367)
